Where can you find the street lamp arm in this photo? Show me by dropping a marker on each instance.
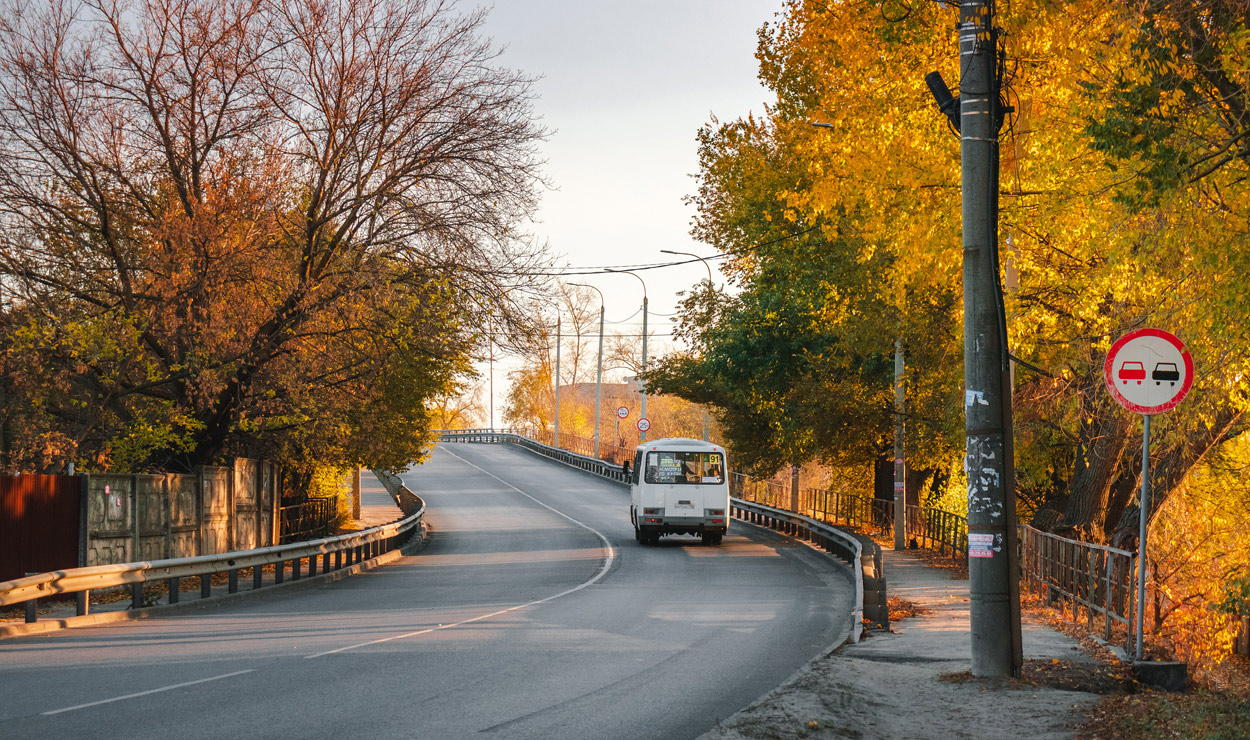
(692, 254)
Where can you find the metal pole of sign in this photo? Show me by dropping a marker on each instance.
(1141, 531)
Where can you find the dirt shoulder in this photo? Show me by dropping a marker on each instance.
(914, 681)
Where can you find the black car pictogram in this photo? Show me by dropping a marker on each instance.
(1165, 371)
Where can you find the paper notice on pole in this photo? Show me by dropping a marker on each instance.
(980, 545)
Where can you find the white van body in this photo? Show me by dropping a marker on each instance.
(679, 486)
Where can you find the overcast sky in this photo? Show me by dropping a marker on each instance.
(625, 87)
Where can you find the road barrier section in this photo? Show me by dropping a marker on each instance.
(334, 553)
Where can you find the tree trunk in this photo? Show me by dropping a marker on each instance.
(1170, 462)
(1102, 439)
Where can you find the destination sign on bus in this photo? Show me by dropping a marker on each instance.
(684, 467)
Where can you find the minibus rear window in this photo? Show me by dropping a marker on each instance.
(685, 467)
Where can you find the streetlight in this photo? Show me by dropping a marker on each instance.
(709, 290)
(643, 437)
(599, 374)
(692, 254)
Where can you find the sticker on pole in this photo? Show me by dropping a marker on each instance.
(622, 412)
(980, 545)
(1148, 371)
(644, 424)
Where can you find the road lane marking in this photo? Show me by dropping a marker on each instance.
(607, 565)
(149, 691)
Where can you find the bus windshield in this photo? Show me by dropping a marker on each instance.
(685, 467)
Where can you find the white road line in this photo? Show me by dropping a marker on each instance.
(149, 691)
(607, 564)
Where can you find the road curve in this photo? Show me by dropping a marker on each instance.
(530, 613)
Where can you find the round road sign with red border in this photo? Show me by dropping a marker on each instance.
(644, 424)
(1148, 371)
(622, 412)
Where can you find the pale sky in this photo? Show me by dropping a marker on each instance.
(625, 87)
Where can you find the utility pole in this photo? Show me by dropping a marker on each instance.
(900, 462)
(599, 369)
(556, 442)
(995, 605)
(643, 437)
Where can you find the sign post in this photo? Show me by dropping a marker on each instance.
(621, 413)
(1148, 371)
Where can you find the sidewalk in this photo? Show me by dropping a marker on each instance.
(913, 682)
(376, 505)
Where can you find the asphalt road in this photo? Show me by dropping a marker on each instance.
(530, 613)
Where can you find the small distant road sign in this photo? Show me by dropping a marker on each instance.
(1148, 371)
(644, 424)
(622, 413)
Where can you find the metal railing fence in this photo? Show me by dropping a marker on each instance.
(307, 519)
(1099, 578)
(935, 529)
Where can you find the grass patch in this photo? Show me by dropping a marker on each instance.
(1202, 715)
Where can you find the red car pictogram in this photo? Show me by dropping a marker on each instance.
(1132, 371)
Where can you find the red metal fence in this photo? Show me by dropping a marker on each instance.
(40, 523)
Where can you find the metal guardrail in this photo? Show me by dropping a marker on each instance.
(847, 546)
(831, 539)
(345, 550)
(602, 468)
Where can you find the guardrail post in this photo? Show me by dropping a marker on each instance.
(32, 611)
(296, 565)
(279, 571)
(206, 585)
(174, 585)
(234, 581)
(136, 596)
(258, 577)
(83, 603)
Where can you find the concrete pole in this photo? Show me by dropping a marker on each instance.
(643, 435)
(599, 379)
(599, 371)
(643, 438)
(710, 288)
(556, 442)
(356, 493)
(794, 488)
(900, 464)
(993, 610)
(491, 390)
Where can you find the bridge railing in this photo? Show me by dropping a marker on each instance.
(333, 553)
(530, 441)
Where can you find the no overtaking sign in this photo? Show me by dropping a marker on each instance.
(1148, 371)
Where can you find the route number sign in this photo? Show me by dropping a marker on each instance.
(622, 413)
(644, 424)
(1148, 371)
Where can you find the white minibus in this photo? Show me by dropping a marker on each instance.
(679, 486)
